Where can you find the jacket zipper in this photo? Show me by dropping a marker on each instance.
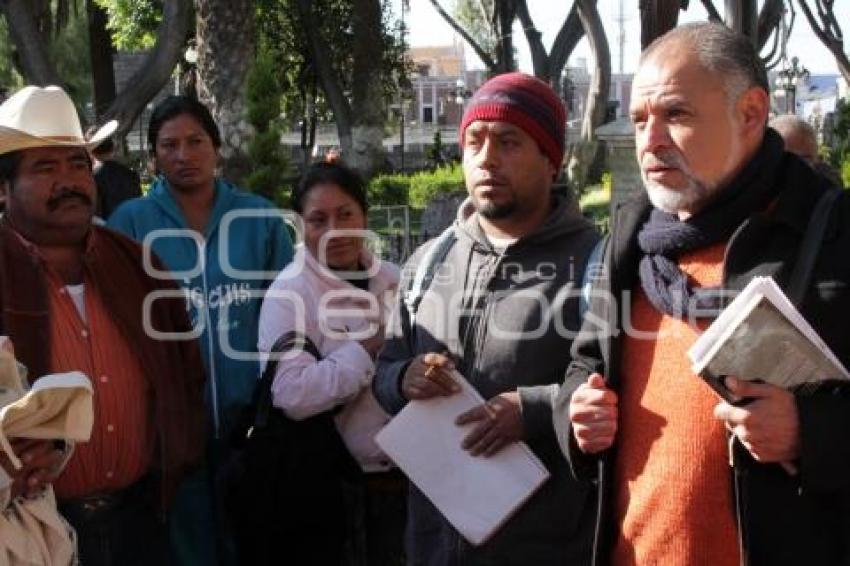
(737, 490)
(202, 256)
(739, 497)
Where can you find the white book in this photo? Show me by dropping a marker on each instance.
(762, 336)
(477, 495)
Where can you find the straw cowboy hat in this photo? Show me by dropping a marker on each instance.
(44, 117)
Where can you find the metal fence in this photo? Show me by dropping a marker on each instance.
(399, 230)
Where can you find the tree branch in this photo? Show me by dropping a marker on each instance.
(483, 55)
(539, 58)
(713, 14)
(828, 38)
(565, 42)
(30, 45)
(768, 22)
(600, 84)
(324, 70)
(155, 72)
(827, 14)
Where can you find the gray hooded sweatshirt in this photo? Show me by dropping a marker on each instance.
(508, 318)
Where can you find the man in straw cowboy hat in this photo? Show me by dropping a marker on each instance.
(75, 296)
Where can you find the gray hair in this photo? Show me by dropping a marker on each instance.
(720, 50)
(787, 124)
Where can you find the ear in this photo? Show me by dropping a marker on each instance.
(753, 108)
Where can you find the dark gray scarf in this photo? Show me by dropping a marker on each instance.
(664, 238)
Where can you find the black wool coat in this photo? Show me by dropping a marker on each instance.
(782, 519)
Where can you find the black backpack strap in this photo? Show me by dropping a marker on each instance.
(594, 262)
(289, 341)
(802, 274)
(426, 271)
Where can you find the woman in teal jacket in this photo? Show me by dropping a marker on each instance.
(224, 246)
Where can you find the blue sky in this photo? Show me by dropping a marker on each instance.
(428, 28)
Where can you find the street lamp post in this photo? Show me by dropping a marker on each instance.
(401, 131)
(461, 92)
(788, 79)
(401, 101)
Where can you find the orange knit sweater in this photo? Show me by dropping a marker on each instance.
(673, 496)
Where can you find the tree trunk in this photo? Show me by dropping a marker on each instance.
(30, 43)
(742, 17)
(483, 55)
(327, 76)
(564, 45)
(226, 44)
(600, 84)
(152, 75)
(829, 34)
(768, 20)
(100, 52)
(539, 57)
(549, 66)
(588, 151)
(367, 132)
(657, 17)
(505, 16)
(713, 14)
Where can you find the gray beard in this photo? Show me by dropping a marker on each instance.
(688, 199)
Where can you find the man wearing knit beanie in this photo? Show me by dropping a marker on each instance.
(526, 102)
(498, 311)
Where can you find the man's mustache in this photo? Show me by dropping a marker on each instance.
(55, 201)
(665, 159)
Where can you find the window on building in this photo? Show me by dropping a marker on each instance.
(428, 115)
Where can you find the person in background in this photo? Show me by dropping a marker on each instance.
(75, 296)
(115, 181)
(801, 139)
(224, 246)
(346, 293)
(500, 310)
(685, 478)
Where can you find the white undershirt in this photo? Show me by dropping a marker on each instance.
(77, 294)
(501, 244)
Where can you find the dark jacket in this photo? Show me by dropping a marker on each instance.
(173, 367)
(115, 183)
(546, 266)
(783, 519)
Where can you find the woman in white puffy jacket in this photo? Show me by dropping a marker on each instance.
(337, 294)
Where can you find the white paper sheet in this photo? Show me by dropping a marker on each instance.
(476, 494)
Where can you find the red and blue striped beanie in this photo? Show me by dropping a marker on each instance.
(526, 102)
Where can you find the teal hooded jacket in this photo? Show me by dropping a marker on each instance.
(224, 272)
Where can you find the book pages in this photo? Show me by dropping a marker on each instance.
(762, 336)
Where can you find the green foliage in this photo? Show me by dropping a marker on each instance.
(595, 204)
(388, 190)
(281, 28)
(69, 51)
(845, 171)
(841, 132)
(417, 189)
(434, 154)
(426, 185)
(262, 102)
(607, 181)
(133, 23)
(474, 17)
(9, 77)
(261, 91)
